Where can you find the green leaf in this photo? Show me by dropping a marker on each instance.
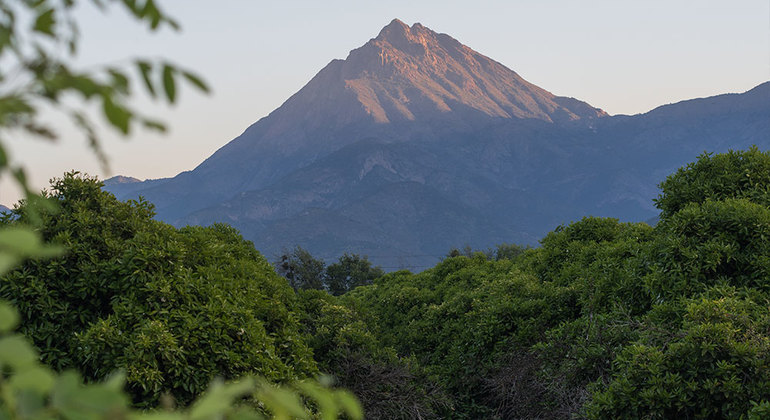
(154, 125)
(8, 261)
(16, 352)
(9, 317)
(38, 379)
(195, 80)
(157, 415)
(119, 80)
(219, 398)
(169, 85)
(45, 22)
(144, 69)
(284, 404)
(22, 241)
(350, 405)
(119, 116)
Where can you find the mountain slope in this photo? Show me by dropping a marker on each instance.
(407, 84)
(416, 143)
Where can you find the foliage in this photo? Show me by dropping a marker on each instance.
(735, 174)
(35, 75)
(714, 242)
(31, 390)
(458, 316)
(305, 272)
(349, 272)
(172, 308)
(503, 251)
(301, 269)
(714, 366)
(387, 386)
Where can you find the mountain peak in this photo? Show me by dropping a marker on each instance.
(409, 73)
(394, 27)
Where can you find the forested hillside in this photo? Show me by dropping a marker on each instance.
(603, 320)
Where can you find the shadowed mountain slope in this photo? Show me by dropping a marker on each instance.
(416, 143)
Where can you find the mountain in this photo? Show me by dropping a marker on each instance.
(415, 143)
(405, 84)
(4, 209)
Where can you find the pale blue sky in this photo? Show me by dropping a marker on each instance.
(626, 57)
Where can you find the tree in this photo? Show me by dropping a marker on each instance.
(735, 174)
(35, 73)
(37, 60)
(301, 269)
(173, 308)
(349, 272)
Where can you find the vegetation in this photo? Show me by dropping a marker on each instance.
(172, 308)
(303, 271)
(97, 319)
(603, 320)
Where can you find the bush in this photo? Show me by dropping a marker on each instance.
(715, 366)
(172, 308)
(388, 387)
(735, 174)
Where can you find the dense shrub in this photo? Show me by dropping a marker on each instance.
(714, 242)
(173, 308)
(735, 174)
(389, 387)
(716, 365)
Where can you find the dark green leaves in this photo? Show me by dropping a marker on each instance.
(144, 69)
(196, 81)
(169, 85)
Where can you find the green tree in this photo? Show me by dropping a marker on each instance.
(349, 272)
(36, 58)
(735, 174)
(301, 269)
(173, 308)
(715, 365)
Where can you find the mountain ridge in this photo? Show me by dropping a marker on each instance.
(416, 143)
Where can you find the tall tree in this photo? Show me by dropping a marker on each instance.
(351, 271)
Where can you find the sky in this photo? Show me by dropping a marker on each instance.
(626, 57)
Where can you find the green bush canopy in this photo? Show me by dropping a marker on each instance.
(173, 308)
(603, 320)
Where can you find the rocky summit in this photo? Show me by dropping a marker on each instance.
(416, 143)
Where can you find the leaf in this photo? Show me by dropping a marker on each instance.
(284, 404)
(169, 85)
(119, 116)
(8, 261)
(3, 157)
(219, 397)
(144, 69)
(39, 379)
(20, 240)
(154, 125)
(16, 352)
(119, 80)
(195, 80)
(9, 317)
(40, 130)
(45, 22)
(350, 405)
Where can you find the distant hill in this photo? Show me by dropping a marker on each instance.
(4, 209)
(416, 143)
